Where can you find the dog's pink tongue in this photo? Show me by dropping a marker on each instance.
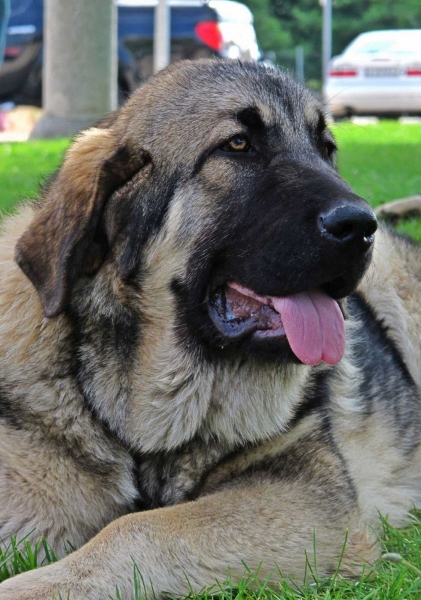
(314, 326)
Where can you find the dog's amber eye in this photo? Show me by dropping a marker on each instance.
(238, 143)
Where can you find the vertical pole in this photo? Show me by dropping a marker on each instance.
(162, 42)
(326, 36)
(299, 63)
(80, 65)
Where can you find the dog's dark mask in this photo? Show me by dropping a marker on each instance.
(295, 240)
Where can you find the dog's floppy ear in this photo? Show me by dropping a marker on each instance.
(54, 248)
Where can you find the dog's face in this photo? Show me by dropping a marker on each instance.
(214, 186)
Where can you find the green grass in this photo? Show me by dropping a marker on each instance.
(23, 166)
(21, 556)
(382, 162)
(397, 580)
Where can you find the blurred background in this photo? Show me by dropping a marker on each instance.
(67, 63)
(82, 38)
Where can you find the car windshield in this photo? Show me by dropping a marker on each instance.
(407, 43)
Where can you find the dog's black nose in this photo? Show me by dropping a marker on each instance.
(349, 224)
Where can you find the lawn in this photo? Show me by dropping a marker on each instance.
(24, 165)
(382, 162)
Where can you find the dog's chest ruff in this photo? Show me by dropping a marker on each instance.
(165, 479)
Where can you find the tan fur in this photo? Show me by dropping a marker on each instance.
(244, 478)
(94, 145)
(30, 467)
(393, 285)
(160, 542)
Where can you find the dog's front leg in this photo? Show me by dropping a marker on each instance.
(264, 526)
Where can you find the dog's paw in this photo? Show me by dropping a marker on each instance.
(19, 589)
(40, 584)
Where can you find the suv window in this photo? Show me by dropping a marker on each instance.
(18, 7)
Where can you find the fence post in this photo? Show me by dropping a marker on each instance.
(162, 42)
(326, 37)
(299, 63)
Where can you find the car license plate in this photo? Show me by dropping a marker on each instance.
(382, 72)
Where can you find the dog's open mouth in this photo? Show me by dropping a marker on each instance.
(312, 321)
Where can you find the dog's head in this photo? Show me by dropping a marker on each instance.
(214, 186)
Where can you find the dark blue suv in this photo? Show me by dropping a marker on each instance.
(199, 29)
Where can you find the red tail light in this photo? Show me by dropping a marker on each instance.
(209, 33)
(348, 73)
(416, 72)
(12, 51)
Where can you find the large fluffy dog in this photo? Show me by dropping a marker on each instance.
(173, 347)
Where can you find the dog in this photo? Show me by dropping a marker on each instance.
(209, 356)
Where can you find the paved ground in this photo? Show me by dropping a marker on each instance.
(17, 123)
(12, 136)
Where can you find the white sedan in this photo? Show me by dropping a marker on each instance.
(379, 72)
